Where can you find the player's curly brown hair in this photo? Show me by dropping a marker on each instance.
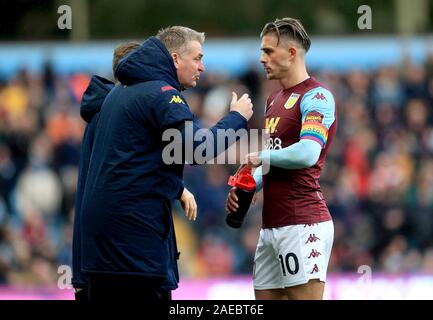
(290, 28)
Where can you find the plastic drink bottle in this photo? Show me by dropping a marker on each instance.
(245, 188)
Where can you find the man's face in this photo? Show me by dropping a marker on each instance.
(276, 59)
(189, 64)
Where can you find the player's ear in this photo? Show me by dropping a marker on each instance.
(175, 57)
(293, 51)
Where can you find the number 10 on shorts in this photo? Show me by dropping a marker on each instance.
(290, 263)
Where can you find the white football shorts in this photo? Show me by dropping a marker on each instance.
(292, 255)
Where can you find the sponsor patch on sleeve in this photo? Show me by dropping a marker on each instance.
(166, 88)
(314, 117)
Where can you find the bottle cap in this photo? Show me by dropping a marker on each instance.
(243, 179)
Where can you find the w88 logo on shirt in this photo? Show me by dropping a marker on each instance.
(273, 144)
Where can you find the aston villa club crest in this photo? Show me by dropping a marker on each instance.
(292, 100)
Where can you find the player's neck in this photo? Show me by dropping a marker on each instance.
(295, 77)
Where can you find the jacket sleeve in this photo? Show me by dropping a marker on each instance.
(183, 132)
(202, 145)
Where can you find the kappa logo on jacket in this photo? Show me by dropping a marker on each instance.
(176, 99)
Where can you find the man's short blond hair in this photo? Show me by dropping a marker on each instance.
(177, 38)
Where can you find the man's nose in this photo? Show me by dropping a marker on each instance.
(201, 67)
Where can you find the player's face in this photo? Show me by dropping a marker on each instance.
(276, 59)
(189, 65)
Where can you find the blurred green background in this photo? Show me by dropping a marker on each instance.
(108, 19)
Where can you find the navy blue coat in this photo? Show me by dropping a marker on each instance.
(90, 106)
(127, 221)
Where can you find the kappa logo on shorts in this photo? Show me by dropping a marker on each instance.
(315, 269)
(312, 238)
(314, 254)
(310, 224)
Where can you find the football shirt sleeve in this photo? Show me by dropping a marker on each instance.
(318, 114)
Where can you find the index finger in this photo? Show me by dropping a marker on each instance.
(233, 195)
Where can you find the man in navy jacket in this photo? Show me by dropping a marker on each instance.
(91, 103)
(128, 242)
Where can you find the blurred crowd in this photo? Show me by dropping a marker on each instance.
(378, 178)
